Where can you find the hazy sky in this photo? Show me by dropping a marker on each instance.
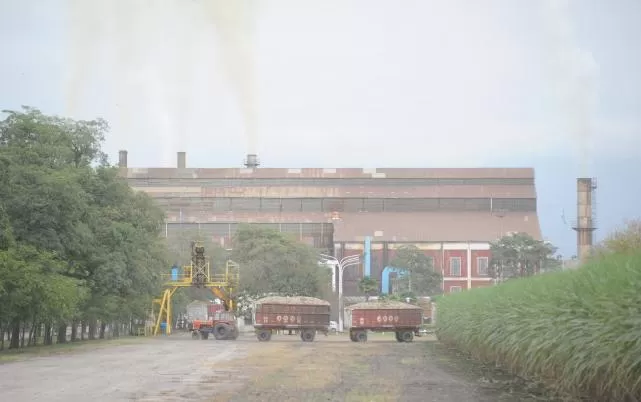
(371, 83)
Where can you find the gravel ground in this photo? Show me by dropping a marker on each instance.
(285, 369)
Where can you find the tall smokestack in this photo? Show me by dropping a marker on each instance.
(122, 159)
(585, 223)
(182, 160)
(252, 161)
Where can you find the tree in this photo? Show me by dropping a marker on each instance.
(368, 286)
(419, 276)
(275, 263)
(77, 244)
(520, 255)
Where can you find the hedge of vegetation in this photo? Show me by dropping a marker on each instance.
(577, 331)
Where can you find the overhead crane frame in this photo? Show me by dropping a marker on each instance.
(197, 274)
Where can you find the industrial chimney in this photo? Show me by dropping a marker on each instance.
(122, 159)
(252, 161)
(585, 224)
(182, 160)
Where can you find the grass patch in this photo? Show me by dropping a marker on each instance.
(11, 355)
(575, 331)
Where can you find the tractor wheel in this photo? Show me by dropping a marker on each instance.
(221, 331)
(407, 336)
(264, 335)
(195, 335)
(398, 336)
(308, 335)
(361, 336)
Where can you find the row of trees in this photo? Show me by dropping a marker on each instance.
(77, 246)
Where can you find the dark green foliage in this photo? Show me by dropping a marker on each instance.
(519, 255)
(421, 278)
(368, 286)
(77, 245)
(272, 262)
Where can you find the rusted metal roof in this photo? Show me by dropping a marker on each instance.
(392, 227)
(442, 191)
(435, 226)
(382, 173)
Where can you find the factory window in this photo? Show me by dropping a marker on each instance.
(312, 205)
(410, 204)
(451, 204)
(352, 204)
(482, 264)
(455, 266)
(291, 204)
(221, 204)
(333, 205)
(270, 204)
(245, 204)
(373, 205)
(514, 204)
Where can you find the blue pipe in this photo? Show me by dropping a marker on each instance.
(385, 277)
(368, 256)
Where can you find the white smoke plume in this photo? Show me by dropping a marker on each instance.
(146, 53)
(234, 21)
(575, 78)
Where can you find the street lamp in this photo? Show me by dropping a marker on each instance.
(342, 264)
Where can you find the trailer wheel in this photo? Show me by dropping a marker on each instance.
(195, 335)
(407, 336)
(398, 336)
(361, 336)
(264, 335)
(308, 335)
(221, 331)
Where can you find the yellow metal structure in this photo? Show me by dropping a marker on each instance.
(197, 274)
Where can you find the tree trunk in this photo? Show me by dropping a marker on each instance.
(92, 330)
(74, 331)
(62, 333)
(103, 325)
(22, 338)
(116, 329)
(48, 338)
(83, 330)
(14, 343)
(32, 335)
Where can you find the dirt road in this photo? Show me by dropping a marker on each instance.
(284, 369)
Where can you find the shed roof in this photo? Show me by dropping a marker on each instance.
(434, 226)
(438, 191)
(230, 173)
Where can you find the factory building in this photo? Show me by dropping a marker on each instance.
(450, 214)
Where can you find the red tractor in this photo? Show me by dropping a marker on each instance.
(222, 325)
